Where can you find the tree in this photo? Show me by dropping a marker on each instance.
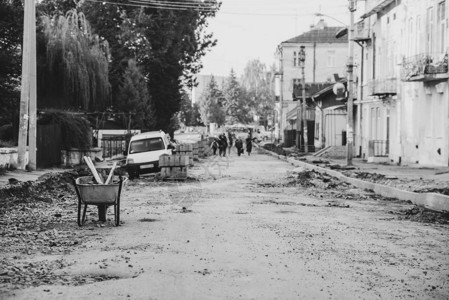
(178, 42)
(258, 83)
(211, 104)
(189, 114)
(11, 28)
(75, 69)
(135, 102)
(167, 46)
(237, 106)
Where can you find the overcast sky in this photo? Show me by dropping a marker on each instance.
(251, 29)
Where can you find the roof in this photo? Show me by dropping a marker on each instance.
(379, 7)
(337, 107)
(147, 135)
(329, 89)
(318, 35)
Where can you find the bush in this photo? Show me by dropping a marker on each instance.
(6, 132)
(75, 129)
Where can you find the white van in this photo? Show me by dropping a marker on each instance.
(144, 150)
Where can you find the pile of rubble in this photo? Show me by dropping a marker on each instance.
(38, 218)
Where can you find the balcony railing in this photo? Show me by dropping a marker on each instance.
(425, 67)
(384, 86)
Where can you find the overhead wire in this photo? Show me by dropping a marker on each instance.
(154, 5)
(189, 5)
(171, 4)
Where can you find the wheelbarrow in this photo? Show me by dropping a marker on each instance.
(101, 195)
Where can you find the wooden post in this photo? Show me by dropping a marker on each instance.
(32, 86)
(28, 89)
(24, 95)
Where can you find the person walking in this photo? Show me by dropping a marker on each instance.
(239, 146)
(230, 142)
(249, 144)
(214, 146)
(223, 144)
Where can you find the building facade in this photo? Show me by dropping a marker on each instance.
(325, 55)
(404, 82)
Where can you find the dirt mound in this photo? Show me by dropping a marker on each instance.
(444, 191)
(422, 215)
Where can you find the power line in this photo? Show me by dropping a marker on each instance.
(174, 3)
(170, 6)
(147, 5)
(167, 4)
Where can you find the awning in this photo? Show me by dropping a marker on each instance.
(379, 7)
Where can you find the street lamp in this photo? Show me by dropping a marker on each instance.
(302, 60)
(350, 76)
(350, 66)
(330, 17)
(279, 77)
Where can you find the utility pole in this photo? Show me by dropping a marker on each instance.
(28, 89)
(302, 59)
(350, 70)
(281, 91)
(33, 101)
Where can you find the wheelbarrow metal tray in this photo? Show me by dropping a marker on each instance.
(98, 193)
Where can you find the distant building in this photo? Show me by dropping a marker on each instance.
(203, 82)
(325, 56)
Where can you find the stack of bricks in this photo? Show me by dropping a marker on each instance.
(201, 149)
(186, 150)
(196, 150)
(174, 166)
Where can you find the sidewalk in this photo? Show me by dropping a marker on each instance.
(426, 186)
(408, 177)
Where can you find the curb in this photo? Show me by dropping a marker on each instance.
(433, 201)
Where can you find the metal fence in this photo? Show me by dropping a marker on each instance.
(115, 145)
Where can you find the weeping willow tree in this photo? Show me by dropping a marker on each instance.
(76, 64)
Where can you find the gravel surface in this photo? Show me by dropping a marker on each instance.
(244, 227)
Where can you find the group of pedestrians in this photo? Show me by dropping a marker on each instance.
(223, 143)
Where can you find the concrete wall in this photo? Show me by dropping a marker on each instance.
(425, 119)
(8, 157)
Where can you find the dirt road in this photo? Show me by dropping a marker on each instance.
(256, 231)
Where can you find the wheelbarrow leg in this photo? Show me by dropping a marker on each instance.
(79, 214)
(80, 222)
(117, 204)
(84, 214)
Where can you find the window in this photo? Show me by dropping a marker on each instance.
(152, 144)
(429, 29)
(418, 35)
(442, 25)
(373, 123)
(331, 58)
(295, 59)
(411, 38)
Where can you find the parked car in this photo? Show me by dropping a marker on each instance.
(144, 151)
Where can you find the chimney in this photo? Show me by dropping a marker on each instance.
(321, 24)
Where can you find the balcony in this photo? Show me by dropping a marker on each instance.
(361, 32)
(382, 87)
(425, 67)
